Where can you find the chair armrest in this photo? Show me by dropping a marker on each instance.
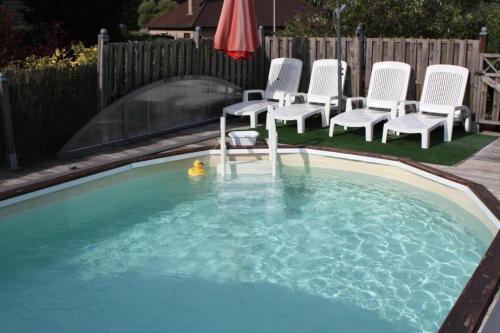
(288, 98)
(468, 120)
(402, 107)
(254, 91)
(348, 105)
(463, 108)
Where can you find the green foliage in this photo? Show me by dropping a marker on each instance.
(395, 18)
(150, 9)
(146, 11)
(143, 36)
(492, 15)
(165, 6)
(76, 55)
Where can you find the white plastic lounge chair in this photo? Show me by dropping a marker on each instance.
(388, 86)
(440, 105)
(320, 98)
(284, 77)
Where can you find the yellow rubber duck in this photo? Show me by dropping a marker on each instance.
(197, 170)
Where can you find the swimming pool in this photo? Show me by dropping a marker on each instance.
(315, 250)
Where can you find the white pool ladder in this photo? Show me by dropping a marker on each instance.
(250, 167)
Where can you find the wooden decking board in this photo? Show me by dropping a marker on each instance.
(10, 179)
(482, 168)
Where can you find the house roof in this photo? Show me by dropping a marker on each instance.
(207, 16)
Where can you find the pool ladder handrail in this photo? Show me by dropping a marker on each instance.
(222, 143)
(272, 143)
(272, 140)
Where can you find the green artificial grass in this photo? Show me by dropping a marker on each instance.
(461, 147)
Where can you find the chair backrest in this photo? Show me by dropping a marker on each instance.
(324, 81)
(444, 88)
(388, 84)
(284, 77)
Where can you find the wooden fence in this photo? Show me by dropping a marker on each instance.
(420, 53)
(42, 109)
(124, 67)
(488, 101)
(38, 103)
(127, 66)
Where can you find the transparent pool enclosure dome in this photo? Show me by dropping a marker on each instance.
(160, 107)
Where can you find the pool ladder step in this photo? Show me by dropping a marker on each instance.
(257, 166)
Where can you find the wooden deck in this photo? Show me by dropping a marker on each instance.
(193, 137)
(482, 168)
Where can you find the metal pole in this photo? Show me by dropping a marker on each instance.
(274, 17)
(102, 67)
(339, 60)
(222, 161)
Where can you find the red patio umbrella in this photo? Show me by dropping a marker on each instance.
(236, 32)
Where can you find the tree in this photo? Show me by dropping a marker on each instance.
(150, 9)
(146, 11)
(165, 6)
(491, 14)
(395, 18)
(9, 39)
(80, 20)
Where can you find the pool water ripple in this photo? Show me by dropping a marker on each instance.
(397, 252)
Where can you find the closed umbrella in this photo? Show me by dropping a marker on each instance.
(237, 33)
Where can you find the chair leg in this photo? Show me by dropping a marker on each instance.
(253, 120)
(332, 127)
(384, 134)
(300, 125)
(324, 119)
(448, 128)
(369, 133)
(425, 139)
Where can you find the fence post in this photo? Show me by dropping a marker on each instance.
(196, 36)
(10, 147)
(359, 58)
(197, 52)
(483, 39)
(102, 67)
(262, 55)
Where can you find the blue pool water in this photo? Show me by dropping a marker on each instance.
(315, 251)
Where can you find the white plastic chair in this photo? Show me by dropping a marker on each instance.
(320, 98)
(440, 105)
(388, 86)
(284, 77)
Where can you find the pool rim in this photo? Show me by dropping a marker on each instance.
(469, 310)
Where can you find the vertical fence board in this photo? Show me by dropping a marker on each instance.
(157, 61)
(147, 63)
(129, 59)
(119, 71)
(166, 56)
